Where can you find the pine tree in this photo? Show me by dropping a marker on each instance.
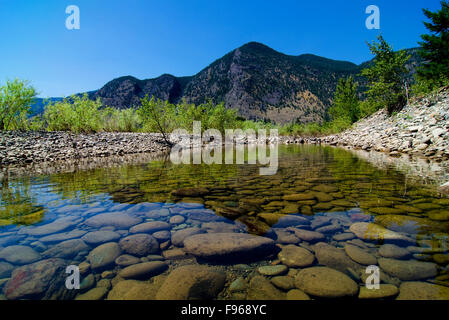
(435, 46)
(386, 87)
(346, 101)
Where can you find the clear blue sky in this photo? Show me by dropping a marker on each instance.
(146, 38)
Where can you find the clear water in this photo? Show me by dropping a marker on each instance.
(338, 189)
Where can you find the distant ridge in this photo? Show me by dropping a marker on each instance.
(256, 80)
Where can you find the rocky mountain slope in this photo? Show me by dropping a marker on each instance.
(258, 81)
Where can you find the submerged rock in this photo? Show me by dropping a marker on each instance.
(119, 220)
(38, 280)
(141, 270)
(408, 269)
(261, 288)
(133, 290)
(296, 257)
(140, 244)
(326, 283)
(98, 237)
(192, 282)
(422, 291)
(104, 255)
(375, 232)
(19, 254)
(224, 246)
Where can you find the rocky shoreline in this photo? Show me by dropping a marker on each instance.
(21, 148)
(420, 129)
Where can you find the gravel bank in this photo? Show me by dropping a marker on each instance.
(421, 128)
(19, 148)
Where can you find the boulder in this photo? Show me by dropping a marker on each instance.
(226, 246)
(192, 282)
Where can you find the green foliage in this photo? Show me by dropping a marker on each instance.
(345, 106)
(435, 47)
(163, 117)
(16, 98)
(386, 87)
(126, 120)
(77, 114)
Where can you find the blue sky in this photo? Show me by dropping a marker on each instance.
(146, 38)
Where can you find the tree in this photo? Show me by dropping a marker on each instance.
(386, 87)
(16, 98)
(435, 46)
(345, 106)
(158, 116)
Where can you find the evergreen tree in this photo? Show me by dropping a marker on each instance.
(386, 87)
(435, 46)
(346, 101)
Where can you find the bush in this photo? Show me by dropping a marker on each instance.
(77, 114)
(16, 98)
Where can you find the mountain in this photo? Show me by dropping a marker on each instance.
(254, 79)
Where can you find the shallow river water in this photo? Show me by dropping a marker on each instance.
(319, 228)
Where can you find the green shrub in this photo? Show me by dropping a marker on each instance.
(16, 98)
(77, 114)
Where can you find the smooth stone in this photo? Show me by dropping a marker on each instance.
(442, 259)
(220, 227)
(126, 260)
(88, 282)
(326, 283)
(359, 255)
(133, 290)
(5, 269)
(177, 219)
(294, 256)
(283, 282)
(162, 236)
(18, 254)
(98, 237)
(285, 237)
(175, 254)
(296, 294)
(394, 252)
(272, 270)
(119, 220)
(228, 246)
(261, 288)
(74, 234)
(192, 282)
(238, 284)
(309, 236)
(375, 232)
(104, 255)
(94, 294)
(384, 291)
(343, 236)
(38, 280)
(150, 227)
(290, 221)
(190, 192)
(155, 257)
(53, 227)
(422, 291)
(408, 269)
(410, 224)
(333, 257)
(104, 283)
(140, 244)
(179, 236)
(141, 270)
(67, 249)
(299, 197)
